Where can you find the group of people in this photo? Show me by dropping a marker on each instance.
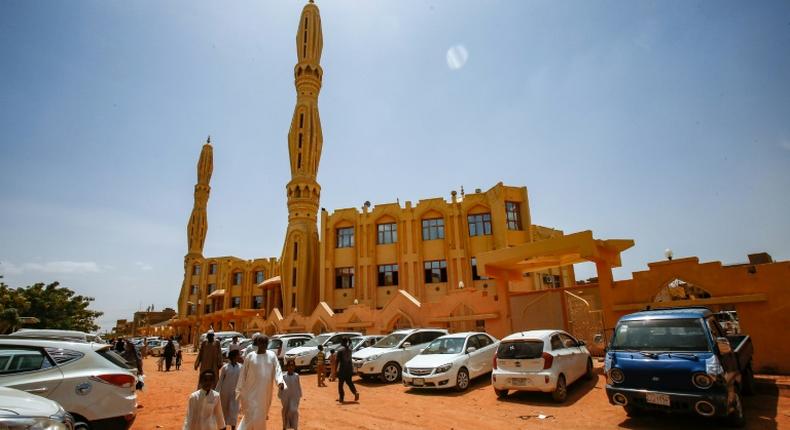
(245, 385)
(171, 354)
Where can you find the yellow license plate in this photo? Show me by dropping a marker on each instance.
(657, 399)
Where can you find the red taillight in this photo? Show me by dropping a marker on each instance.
(494, 361)
(119, 380)
(548, 360)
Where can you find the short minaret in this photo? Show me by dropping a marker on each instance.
(300, 266)
(198, 221)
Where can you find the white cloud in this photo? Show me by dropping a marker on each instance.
(51, 267)
(457, 56)
(143, 266)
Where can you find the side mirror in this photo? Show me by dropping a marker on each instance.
(406, 345)
(724, 345)
(471, 349)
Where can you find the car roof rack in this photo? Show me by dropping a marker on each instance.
(673, 308)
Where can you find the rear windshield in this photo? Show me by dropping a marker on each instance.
(682, 334)
(114, 358)
(522, 350)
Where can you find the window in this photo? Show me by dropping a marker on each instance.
(556, 343)
(193, 290)
(235, 302)
(191, 309)
(296, 251)
(484, 340)
(513, 211)
(211, 288)
(237, 277)
(17, 360)
(293, 300)
(196, 269)
(212, 268)
(344, 278)
(433, 229)
(479, 225)
(388, 275)
(259, 276)
(293, 277)
(435, 271)
(345, 237)
(475, 275)
(567, 341)
(388, 233)
(257, 302)
(207, 309)
(473, 343)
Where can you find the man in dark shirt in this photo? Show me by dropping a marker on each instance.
(345, 370)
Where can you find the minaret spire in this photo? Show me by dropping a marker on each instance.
(198, 221)
(299, 271)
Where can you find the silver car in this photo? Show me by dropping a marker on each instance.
(90, 381)
(22, 411)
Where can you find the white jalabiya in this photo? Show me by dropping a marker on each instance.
(228, 380)
(256, 382)
(204, 411)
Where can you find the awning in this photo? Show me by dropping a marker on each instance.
(217, 293)
(269, 282)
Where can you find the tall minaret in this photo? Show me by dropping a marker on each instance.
(299, 272)
(198, 222)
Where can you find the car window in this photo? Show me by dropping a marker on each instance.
(714, 327)
(520, 350)
(23, 360)
(414, 339)
(275, 344)
(556, 343)
(484, 340)
(567, 341)
(296, 342)
(63, 356)
(473, 343)
(113, 357)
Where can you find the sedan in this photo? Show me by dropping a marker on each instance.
(540, 360)
(451, 361)
(22, 411)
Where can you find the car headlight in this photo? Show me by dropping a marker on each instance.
(617, 375)
(302, 354)
(33, 424)
(702, 380)
(444, 367)
(373, 357)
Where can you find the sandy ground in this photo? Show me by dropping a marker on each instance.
(162, 405)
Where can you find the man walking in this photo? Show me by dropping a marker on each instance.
(345, 370)
(209, 356)
(254, 389)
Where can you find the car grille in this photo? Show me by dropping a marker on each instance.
(420, 371)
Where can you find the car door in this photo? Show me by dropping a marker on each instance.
(561, 357)
(29, 369)
(576, 359)
(414, 348)
(486, 353)
(473, 357)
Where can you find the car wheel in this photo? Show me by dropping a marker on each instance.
(560, 392)
(462, 380)
(500, 393)
(747, 381)
(736, 418)
(390, 373)
(589, 374)
(314, 364)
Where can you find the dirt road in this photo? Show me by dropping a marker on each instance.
(163, 405)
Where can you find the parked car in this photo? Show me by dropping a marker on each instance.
(678, 360)
(157, 347)
(245, 346)
(89, 380)
(451, 361)
(540, 360)
(281, 345)
(386, 358)
(222, 335)
(357, 344)
(305, 356)
(281, 335)
(728, 320)
(58, 334)
(23, 411)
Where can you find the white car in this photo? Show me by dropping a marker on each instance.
(386, 358)
(22, 411)
(357, 344)
(281, 345)
(540, 360)
(90, 381)
(451, 361)
(305, 356)
(58, 334)
(157, 349)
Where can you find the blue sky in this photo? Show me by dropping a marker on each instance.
(663, 121)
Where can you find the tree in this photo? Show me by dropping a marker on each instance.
(54, 306)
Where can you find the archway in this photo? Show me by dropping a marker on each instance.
(319, 327)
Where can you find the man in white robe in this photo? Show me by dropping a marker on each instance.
(254, 390)
(204, 409)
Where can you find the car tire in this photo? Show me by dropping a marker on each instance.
(390, 373)
(747, 380)
(501, 393)
(560, 392)
(590, 374)
(462, 379)
(736, 418)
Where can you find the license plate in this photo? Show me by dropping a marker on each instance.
(518, 381)
(657, 399)
(418, 382)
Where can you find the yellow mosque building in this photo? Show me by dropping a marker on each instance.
(371, 269)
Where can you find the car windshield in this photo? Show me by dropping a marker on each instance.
(390, 341)
(520, 350)
(318, 340)
(356, 341)
(275, 344)
(681, 334)
(448, 345)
